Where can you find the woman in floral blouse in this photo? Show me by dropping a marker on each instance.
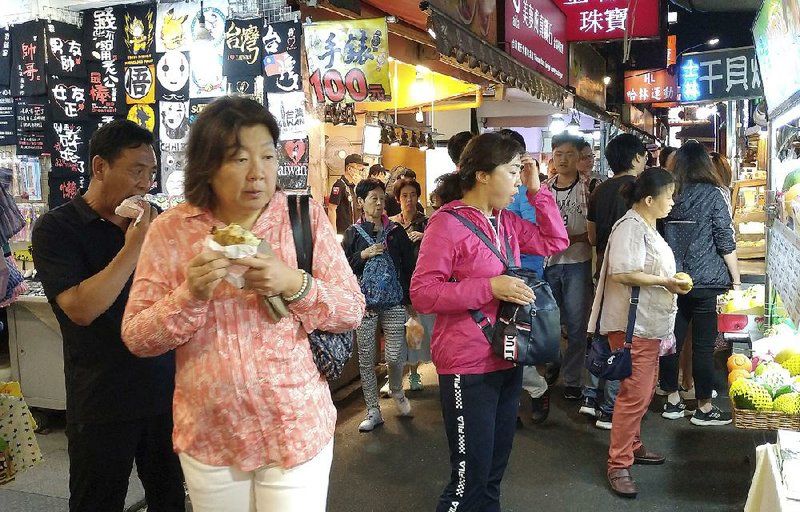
(254, 418)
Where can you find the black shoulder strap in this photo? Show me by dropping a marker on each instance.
(632, 314)
(300, 219)
(480, 234)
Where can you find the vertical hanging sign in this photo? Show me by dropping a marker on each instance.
(348, 61)
(27, 61)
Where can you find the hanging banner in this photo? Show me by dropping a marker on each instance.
(63, 190)
(140, 84)
(27, 59)
(281, 63)
(8, 123)
(177, 23)
(102, 34)
(289, 110)
(143, 115)
(172, 73)
(650, 86)
(207, 81)
(105, 89)
(348, 61)
(32, 113)
(242, 51)
(67, 99)
(139, 29)
(172, 176)
(293, 164)
(5, 57)
(538, 37)
(599, 20)
(250, 86)
(587, 68)
(728, 74)
(64, 50)
(68, 152)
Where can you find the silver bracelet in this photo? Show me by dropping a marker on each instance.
(304, 288)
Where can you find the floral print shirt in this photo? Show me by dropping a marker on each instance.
(247, 391)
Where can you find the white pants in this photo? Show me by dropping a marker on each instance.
(303, 488)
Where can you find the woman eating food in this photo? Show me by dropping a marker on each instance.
(254, 418)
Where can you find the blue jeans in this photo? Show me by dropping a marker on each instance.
(572, 288)
(594, 389)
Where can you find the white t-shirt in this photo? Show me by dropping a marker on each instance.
(573, 207)
(634, 246)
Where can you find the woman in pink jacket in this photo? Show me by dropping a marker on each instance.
(455, 273)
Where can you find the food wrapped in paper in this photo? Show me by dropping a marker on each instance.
(132, 208)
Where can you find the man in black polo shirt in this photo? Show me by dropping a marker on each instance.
(342, 209)
(118, 405)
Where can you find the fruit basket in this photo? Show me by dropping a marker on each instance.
(765, 420)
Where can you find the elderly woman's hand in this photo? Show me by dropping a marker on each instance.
(204, 273)
(511, 289)
(676, 286)
(270, 276)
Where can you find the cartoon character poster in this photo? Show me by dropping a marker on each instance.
(105, 88)
(174, 125)
(68, 100)
(208, 80)
(103, 34)
(139, 34)
(172, 176)
(64, 50)
(143, 115)
(27, 59)
(177, 24)
(172, 73)
(281, 62)
(242, 48)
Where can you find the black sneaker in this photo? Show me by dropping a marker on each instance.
(603, 421)
(711, 418)
(674, 411)
(541, 408)
(572, 393)
(588, 407)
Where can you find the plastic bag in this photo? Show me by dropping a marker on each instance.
(414, 333)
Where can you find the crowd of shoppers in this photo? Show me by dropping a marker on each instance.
(251, 417)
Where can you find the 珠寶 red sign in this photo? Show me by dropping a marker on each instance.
(536, 35)
(597, 20)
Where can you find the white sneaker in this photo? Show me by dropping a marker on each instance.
(687, 394)
(661, 392)
(385, 392)
(372, 420)
(403, 405)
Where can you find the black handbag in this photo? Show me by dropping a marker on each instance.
(528, 335)
(331, 350)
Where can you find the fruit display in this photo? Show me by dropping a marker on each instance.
(744, 302)
(773, 385)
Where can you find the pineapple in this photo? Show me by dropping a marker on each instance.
(747, 394)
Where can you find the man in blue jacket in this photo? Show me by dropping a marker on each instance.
(532, 381)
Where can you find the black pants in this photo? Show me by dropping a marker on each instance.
(480, 415)
(700, 308)
(101, 457)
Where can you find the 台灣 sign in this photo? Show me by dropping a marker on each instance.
(731, 73)
(348, 61)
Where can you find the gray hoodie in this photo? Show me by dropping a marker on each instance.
(700, 231)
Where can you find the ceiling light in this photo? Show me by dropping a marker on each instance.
(420, 117)
(606, 80)
(422, 69)
(432, 32)
(574, 127)
(557, 124)
(672, 17)
(596, 135)
(714, 41)
(202, 32)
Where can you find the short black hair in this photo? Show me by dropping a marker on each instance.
(366, 186)
(651, 182)
(377, 170)
(111, 139)
(406, 182)
(408, 173)
(583, 144)
(566, 138)
(664, 156)
(456, 145)
(622, 150)
(508, 132)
